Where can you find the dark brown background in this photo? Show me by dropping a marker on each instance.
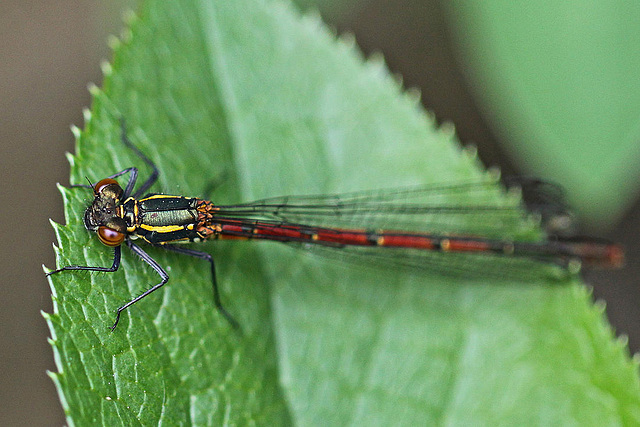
(49, 51)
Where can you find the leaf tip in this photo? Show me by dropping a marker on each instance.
(86, 113)
(54, 376)
(126, 34)
(347, 40)
(398, 80)
(447, 133)
(94, 90)
(54, 224)
(76, 131)
(113, 42)
(50, 318)
(64, 192)
(46, 269)
(106, 68)
(129, 17)
(376, 60)
(71, 159)
(600, 305)
(57, 229)
(414, 95)
(623, 341)
(470, 151)
(494, 173)
(429, 116)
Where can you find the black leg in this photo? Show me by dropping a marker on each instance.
(146, 258)
(114, 266)
(133, 170)
(216, 294)
(130, 184)
(154, 174)
(132, 180)
(82, 185)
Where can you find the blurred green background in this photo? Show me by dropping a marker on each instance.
(542, 88)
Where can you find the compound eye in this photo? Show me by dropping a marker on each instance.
(109, 236)
(103, 183)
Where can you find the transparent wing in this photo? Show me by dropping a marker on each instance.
(482, 208)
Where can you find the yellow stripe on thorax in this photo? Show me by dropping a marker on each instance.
(163, 228)
(160, 196)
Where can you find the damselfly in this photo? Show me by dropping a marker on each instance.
(421, 227)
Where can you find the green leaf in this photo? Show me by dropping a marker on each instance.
(557, 81)
(271, 101)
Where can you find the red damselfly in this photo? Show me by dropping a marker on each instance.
(421, 227)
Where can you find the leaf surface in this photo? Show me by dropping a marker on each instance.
(265, 102)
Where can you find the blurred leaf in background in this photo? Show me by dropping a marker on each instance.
(558, 81)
